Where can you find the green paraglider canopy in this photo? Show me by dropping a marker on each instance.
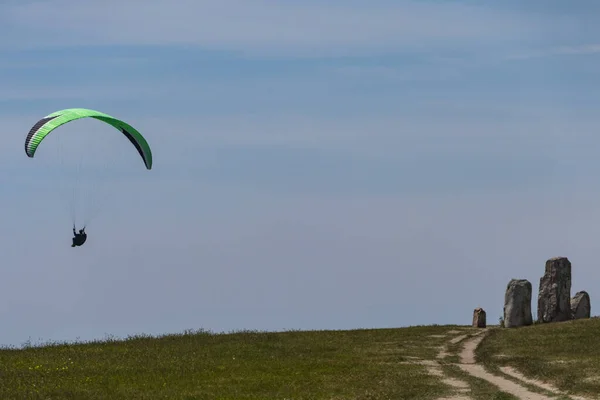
(50, 122)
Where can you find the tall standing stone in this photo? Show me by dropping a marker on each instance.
(580, 305)
(554, 298)
(517, 303)
(479, 320)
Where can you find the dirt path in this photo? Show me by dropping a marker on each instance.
(516, 374)
(508, 381)
(468, 364)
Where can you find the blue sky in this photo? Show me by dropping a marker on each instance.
(317, 165)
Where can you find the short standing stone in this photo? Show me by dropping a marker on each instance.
(517, 303)
(479, 318)
(554, 298)
(580, 305)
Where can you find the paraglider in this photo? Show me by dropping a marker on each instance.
(79, 238)
(52, 121)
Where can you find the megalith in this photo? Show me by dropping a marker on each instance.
(517, 303)
(580, 305)
(479, 318)
(554, 298)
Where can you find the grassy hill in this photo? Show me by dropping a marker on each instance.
(356, 364)
(566, 354)
(365, 364)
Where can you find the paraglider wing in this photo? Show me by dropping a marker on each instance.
(50, 122)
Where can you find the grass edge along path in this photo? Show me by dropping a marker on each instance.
(563, 357)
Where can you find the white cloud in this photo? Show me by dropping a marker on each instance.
(93, 91)
(407, 132)
(51, 61)
(363, 136)
(261, 25)
(430, 73)
(585, 49)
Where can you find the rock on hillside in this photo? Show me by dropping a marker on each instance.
(580, 305)
(517, 303)
(554, 298)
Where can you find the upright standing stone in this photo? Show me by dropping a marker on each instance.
(554, 298)
(580, 305)
(517, 303)
(479, 318)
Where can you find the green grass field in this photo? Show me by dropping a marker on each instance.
(357, 364)
(567, 354)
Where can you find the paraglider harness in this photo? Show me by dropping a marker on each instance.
(79, 238)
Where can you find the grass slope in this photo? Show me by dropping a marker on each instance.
(566, 354)
(356, 364)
